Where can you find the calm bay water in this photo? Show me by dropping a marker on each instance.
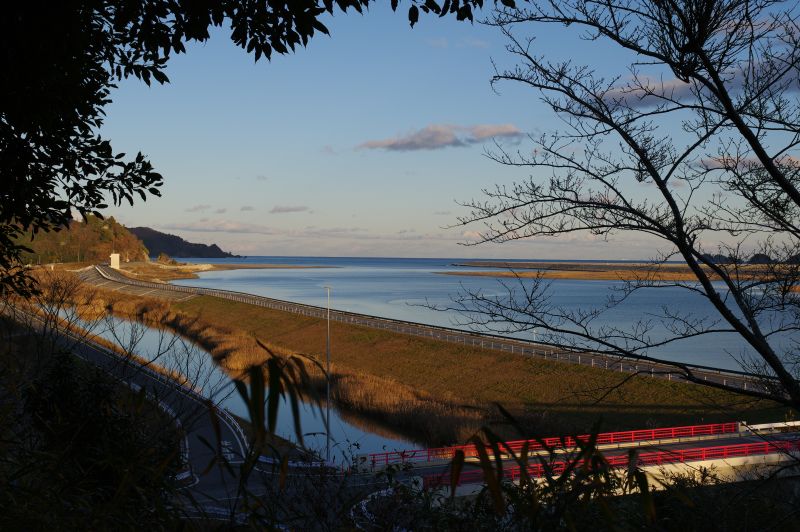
(396, 288)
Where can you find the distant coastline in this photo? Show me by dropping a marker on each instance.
(154, 271)
(157, 243)
(590, 271)
(582, 265)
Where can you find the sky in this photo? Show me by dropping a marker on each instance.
(362, 144)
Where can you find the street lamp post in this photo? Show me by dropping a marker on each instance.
(328, 380)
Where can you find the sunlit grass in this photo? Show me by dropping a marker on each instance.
(546, 396)
(432, 391)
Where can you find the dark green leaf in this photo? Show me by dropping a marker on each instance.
(413, 15)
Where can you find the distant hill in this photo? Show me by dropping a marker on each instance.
(89, 241)
(174, 246)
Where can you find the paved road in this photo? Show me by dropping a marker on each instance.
(216, 490)
(105, 277)
(211, 488)
(208, 486)
(670, 449)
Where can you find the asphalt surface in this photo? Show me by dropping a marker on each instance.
(439, 475)
(305, 496)
(214, 447)
(192, 412)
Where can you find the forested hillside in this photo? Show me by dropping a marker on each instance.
(174, 246)
(90, 241)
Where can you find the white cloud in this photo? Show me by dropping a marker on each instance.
(437, 136)
(283, 209)
(221, 226)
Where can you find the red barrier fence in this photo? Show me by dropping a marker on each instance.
(513, 473)
(568, 442)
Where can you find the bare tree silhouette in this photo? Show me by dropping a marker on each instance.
(695, 147)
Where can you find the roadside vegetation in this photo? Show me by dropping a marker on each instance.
(705, 115)
(547, 397)
(78, 450)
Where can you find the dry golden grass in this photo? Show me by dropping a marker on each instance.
(546, 396)
(601, 275)
(431, 391)
(597, 271)
(153, 271)
(356, 392)
(90, 308)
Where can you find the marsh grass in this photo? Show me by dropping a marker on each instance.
(545, 396)
(414, 414)
(435, 392)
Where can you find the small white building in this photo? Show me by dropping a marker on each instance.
(114, 261)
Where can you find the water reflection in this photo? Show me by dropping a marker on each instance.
(178, 355)
(405, 289)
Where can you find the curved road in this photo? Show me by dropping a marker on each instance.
(215, 490)
(207, 487)
(213, 448)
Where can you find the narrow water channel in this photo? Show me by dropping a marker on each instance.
(170, 351)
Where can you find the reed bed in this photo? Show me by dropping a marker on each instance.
(413, 414)
(546, 397)
(431, 391)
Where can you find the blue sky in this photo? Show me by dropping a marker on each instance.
(321, 152)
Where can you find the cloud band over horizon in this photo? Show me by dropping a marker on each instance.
(438, 136)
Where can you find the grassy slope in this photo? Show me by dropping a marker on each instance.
(548, 395)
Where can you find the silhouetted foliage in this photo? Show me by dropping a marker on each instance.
(80, 453)
(706, 117)
(588, 495)
(761, 258)
(718, 258)
(174, 246)
(60, 62)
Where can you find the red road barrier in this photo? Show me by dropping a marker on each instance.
(721, 452)
(568, 442)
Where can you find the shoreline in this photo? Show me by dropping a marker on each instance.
(157, 272)
(408, 385)
(592, 271)
(585, 275)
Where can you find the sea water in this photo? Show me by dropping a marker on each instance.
(409, 289)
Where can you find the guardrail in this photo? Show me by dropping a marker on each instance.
(738, 379)
(654, 458)
(567, 442)
(185, 390)
(165, 380)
